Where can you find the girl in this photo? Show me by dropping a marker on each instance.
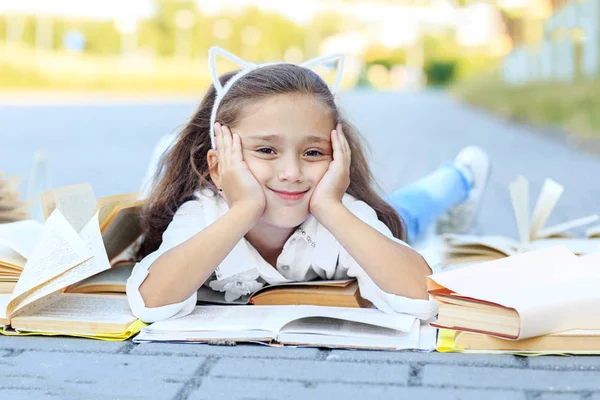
(277, 189)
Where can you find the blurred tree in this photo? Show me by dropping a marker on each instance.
(161, 32)
(440, 73)
(3, 28)
(101, 37)
(381, 55)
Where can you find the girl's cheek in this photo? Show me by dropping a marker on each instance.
(259, 168)
(317, 170)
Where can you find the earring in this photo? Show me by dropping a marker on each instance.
(220, 190)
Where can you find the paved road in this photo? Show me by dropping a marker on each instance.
(109, 145)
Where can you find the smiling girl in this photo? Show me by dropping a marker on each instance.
(268, 183)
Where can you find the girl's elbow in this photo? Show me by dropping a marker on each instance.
(420, 292)
(419, 284)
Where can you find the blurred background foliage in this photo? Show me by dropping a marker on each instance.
(389, 45)
(167, 50)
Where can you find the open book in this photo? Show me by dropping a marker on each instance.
(532, 294)
(295, 325)
(593, 232)
(113, 280)
(60, 258)
(463, 249)
(118, 214)
(17, 240)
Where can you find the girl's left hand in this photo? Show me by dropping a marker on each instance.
(336, 180)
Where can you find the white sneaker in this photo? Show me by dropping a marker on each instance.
(459, 219)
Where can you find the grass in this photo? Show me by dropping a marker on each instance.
(574, 107)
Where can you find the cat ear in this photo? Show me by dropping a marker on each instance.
(326, 59)
(212, 53)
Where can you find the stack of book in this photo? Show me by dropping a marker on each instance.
(541, 302)
(470, 249)
(118, 219)
(40, 263)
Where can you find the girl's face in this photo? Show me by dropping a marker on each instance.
(286, 142)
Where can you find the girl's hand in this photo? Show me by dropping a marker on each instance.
(335, 182)
(238, 184)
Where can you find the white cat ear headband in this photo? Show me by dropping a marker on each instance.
(248, 66)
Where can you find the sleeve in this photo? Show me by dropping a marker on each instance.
(386, 302)
(187, 221)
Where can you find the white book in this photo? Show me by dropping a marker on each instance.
(317, 326)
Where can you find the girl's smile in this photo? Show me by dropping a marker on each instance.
(288, 195)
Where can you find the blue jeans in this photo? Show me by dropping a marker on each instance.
(421, 203)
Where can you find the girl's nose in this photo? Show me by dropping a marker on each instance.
(290, 169)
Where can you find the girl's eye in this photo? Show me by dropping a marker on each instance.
(266, 150)
(313, 153)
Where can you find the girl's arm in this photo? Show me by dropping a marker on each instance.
(180, 271)
(394, 267)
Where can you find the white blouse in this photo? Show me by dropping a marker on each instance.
(310, 253)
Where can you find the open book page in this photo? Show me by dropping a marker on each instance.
(76, 202)
(111, 280)
(226, 319)
(273, 318)
(338, 333)
(339, 327)
(91, 237)
(59, 249)
(551, 192)
(372, 316)
(94, 309)
(519, 194)
(21, 236)
(10, 258)
(106, 205)
(122, 231)
(562, 228)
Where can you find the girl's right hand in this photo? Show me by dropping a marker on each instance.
(239, 185)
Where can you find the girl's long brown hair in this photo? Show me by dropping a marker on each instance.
(184, 168)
